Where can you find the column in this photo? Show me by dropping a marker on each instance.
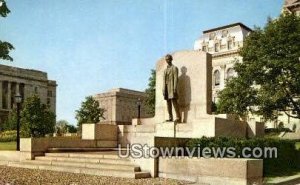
(17, 88)
(26, 91)
(1, 89)
(222, 76)
(8, 95)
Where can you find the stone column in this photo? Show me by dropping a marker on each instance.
(8, 95)
(17, 88)
(1, 88)
(222, 76)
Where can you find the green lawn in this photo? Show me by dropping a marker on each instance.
(298, 145)
(8, 145)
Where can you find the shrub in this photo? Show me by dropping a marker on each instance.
(8, 136)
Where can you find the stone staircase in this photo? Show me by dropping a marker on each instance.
(92, 163)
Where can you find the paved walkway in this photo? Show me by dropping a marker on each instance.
(20, 176)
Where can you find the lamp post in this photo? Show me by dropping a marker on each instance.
(139, 102)
(18, 100)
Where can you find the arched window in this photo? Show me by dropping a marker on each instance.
(217, 77)
(230, 73)
(217, 47)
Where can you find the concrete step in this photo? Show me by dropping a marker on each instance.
(120, 161)
(90, 171)
(103, 166)
(95, 149)
(102, 155)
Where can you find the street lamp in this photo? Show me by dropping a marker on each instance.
(139, 102)
(18, 100)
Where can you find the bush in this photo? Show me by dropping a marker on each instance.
(8, 136)
(11, 122)
(288, 157)
(276, 130)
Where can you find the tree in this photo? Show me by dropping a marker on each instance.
(71, 128)
(150, 94)
(11, 122)
(268, 78)
(89, 112)
(5, 47)
(63, 126)
(36, 118)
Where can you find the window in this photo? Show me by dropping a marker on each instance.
(230, 44)
(230, 73)
(217, 77)
(224, 33)
(36, 90)
(217, 47)
(203, 48)
(212, 36)
(49, 93)
(48, 101)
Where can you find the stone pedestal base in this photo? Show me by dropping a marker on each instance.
(99, 132)
(209, 126)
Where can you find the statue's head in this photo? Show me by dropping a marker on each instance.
(169, 59)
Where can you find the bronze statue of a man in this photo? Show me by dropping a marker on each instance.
(170, 82)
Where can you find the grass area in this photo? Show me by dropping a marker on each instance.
(8, 145)
(298, 145)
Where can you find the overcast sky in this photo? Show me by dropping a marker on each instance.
(91, 46)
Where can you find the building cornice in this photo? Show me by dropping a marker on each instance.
(227, 53)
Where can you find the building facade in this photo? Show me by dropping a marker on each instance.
(121, 106)
(291, 6)
(27, 83)
(223, 43)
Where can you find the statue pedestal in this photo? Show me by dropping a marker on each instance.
(166, 129)
(208, 125)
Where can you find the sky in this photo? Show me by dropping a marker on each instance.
(92, 46)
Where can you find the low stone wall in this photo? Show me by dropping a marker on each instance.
(213, 171)
(9, 156)
(31, 147)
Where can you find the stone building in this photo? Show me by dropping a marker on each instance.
(292, 6)
(223, 43)
(27, 82)
(121, 105)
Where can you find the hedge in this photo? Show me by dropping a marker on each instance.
(8, 136)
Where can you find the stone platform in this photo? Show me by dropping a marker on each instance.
(105, 163)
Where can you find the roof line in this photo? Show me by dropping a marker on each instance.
(227, 26)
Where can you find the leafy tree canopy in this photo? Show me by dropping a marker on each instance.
(36, 118)
(89, 112)
(5, 47)
(3, 9)
(268, 79)
(11, 122)
(150, 94)
(63, 126)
